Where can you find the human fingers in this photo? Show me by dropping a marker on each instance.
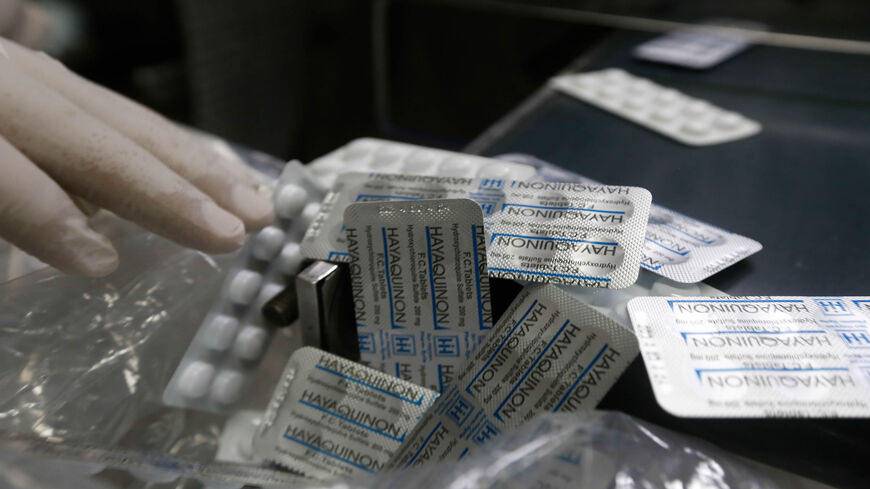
(37, 216)
(223, 178)
(96, 163)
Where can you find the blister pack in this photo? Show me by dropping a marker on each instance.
(547, 353)
(152, 468)
(757, 357)
(381, 156)
(233, 337)
(572, 233)
(701, 46)
(689, 120)
(421, 292)
(677, 246)
(332, 417)
(614, 303)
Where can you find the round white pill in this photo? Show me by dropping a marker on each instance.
(729, 120)
(611, 92)
(325, 168)
(245, 286)
(456, 166)
(267, 243)
(227, 386)
(358, 149)
(583, 82)
(673, 288)
(636, 102)
(697, 128)
(220, 332)
(289, 200)
(291, 258)
(309, 213)
(420, 162)
(268, 292)
(696, 107)
(665, 114)
(245, 447)
(615, 75)
(250, 343)
(641, 86)
(195, 379)
(496, 170)
(668, 96)
(386, 156)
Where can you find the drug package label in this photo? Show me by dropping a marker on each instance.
(332, 417)
(676, 246)
(548, 353)
(756, 357)
(571, 233)
(420, 287)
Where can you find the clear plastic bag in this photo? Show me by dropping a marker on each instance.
(588, 450)
(85, 359)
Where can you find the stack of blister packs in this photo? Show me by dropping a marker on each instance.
(411, 256)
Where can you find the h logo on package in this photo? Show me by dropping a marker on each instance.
(404, 344)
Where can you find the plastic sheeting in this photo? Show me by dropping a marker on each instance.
(589, 450)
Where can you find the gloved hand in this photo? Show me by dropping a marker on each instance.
(64, 140)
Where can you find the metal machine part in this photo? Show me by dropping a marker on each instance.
(326, 309)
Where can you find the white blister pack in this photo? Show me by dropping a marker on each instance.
(614, 303)
(381, 156)
(233, 337)
(572, 233)
(677, 246)
(547, 353)
(701, 46)
(421, 291)
(757, 357)
(689, 120)
(331, 417)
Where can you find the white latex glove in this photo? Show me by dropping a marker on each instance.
(63, 138)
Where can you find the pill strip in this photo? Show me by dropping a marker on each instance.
(153, 467)
(381, 156)
(234, 336)
(420, 289)
(332, 417)
(689, 120)
(677, 246)
(548, 353)
(571, 233)
(699, 47)
(756, 357)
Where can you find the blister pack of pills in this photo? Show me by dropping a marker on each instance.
(677, 246)
(234, 335)
(702, 46)
(756, 357)
(572, 233)
(689, 120)
(332, 417)
(381, 156)
(152, 468)
(548, 353)
(614, 303)
(421, 291)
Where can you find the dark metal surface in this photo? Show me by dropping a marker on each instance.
(800, 187)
